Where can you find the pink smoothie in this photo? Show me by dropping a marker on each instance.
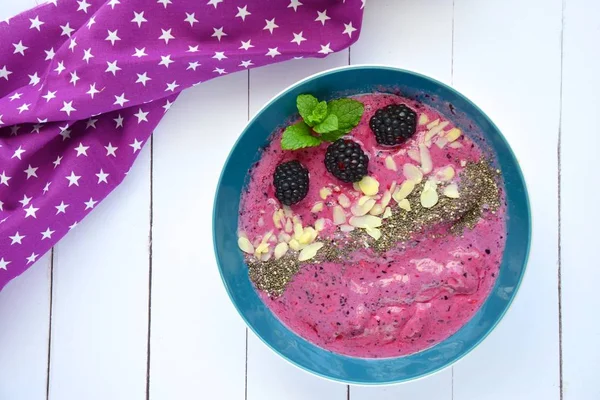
(378, 304)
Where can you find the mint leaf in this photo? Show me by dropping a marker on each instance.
(306, 103)
(298, 136)
(330, 124)
(318, 114)
(348, 112)
(332, 136)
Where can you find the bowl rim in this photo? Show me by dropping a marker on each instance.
(470, 348)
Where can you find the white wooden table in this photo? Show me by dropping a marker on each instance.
(130, 305)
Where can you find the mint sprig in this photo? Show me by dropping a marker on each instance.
(321, 121)
(298, 136)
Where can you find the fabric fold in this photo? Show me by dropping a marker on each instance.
(84, 83)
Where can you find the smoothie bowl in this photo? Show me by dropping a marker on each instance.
(371, 225)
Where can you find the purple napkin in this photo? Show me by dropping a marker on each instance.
(83, 83)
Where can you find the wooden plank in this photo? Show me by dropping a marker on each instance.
(407, 34)
(507, 60)
(198, 342)
(269, 376)
(24, 316)
(24, 312)
(100, 297)
(389, 38)
(580, 214)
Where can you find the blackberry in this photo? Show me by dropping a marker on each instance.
(291, 182)
(346, 161)
(393, 124)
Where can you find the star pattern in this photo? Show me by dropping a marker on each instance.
(349, 29)
(218, 33)
(270, 25)
(190, 18)
(322, 17)
(243, 12)
(35, 23)
(138, 18)
(79, 99)
(298, 38)
(166, 35)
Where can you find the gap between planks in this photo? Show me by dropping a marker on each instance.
(559, 179)
(150, 232)
(51, 273)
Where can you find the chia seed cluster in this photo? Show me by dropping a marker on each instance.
(345, 159)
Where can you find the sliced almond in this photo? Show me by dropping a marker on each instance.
(463, 163)
(289, 227)
(280, 250)
(435, 130)
(242, 234)
(324, 192)
(277, 218)
(262, 248)
(287, 211)
(305, 238)
(369, 186)
(445, 174)
(362, 209)
(390, 163)
(404, 190)
(284, 237)
(451, 191)
(344, 201)
(412, 173)
(356, 187)
(309, 251)
(441, 142)
(339, 216)
(376, 210)
(429, 196)
(393, 186)
(426, 163)
(433, 123)
(455, 145)
(266, 256)
(430, 184)
(245, 245)
(313, 233)
(295, 245)
(267, 236)
(385, 199)
(453, 134)
(363, 200)
(273, 239)
(365, 221)
(346, 228)
(387, 213)
(298, 230)
(423, 119)
(414, 155)
(320, 224)
(404, 204)
(317, 207)
(308, 236)
(374, 233)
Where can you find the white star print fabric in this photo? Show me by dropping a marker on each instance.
(84, 82)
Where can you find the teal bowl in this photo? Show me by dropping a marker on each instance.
(344, 82)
